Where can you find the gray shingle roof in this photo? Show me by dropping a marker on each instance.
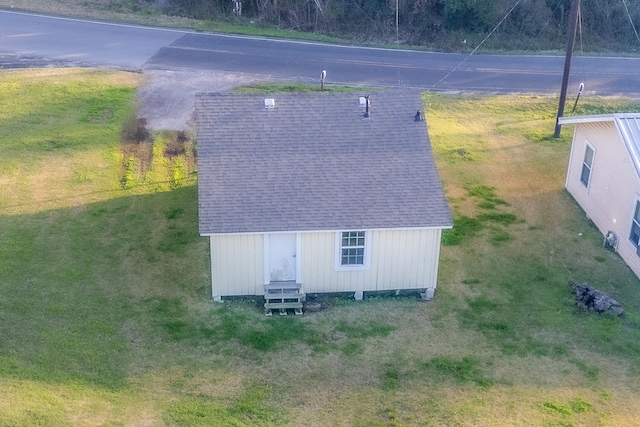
(315, 163)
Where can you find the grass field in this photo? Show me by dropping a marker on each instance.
(106, 317)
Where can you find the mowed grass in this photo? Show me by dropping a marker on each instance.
(105, 309)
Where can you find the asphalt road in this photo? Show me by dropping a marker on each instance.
(391, 68)
(32, 39)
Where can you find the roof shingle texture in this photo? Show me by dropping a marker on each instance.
(315, 163)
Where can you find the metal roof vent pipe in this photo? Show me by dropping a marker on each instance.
(417, 117)
(367, 103)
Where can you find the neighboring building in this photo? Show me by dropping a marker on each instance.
(604, 178)
(303, 190)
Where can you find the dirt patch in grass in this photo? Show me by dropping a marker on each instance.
(162, 158)
(136, 149)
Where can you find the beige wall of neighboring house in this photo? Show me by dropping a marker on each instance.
(394, 260)
(609, 198)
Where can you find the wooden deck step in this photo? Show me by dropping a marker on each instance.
(277, 286)
(285, 305)
(279, 297)
(283, 296)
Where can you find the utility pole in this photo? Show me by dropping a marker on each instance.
(397, 22)
(573, 27)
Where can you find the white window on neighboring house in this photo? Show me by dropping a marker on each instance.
(587, 165)
(635, 226)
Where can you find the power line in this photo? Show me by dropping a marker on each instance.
(630, 19)
(477, 47)
(546, 23)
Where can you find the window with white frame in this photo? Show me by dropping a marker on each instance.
(635, 226)
(352, 248)
(587, 164)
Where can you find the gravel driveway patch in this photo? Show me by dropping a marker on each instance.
(167, 100)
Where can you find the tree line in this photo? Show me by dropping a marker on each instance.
(531, 25)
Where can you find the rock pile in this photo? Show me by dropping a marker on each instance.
(587, 297)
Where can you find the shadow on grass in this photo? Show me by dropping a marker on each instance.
(91, 293)
(71, 280)
(241, 322)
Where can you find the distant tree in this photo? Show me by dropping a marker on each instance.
(470, 15)
(533, 24)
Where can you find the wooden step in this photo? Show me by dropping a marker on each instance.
(282, 305)
(283, 296)
(286, 294)
(282, 286)
(283, 299)
(292, 294)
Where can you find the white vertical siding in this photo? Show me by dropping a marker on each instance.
(400, 259)
(614, 186)
(237, 264)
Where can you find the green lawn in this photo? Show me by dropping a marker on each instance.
(105, 309)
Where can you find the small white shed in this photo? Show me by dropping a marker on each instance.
(604, 178)
(303, 189)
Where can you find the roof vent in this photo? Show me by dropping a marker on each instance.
(367, 103)
(417, 117)
(269, 103)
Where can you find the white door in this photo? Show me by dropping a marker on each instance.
(282, 257)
